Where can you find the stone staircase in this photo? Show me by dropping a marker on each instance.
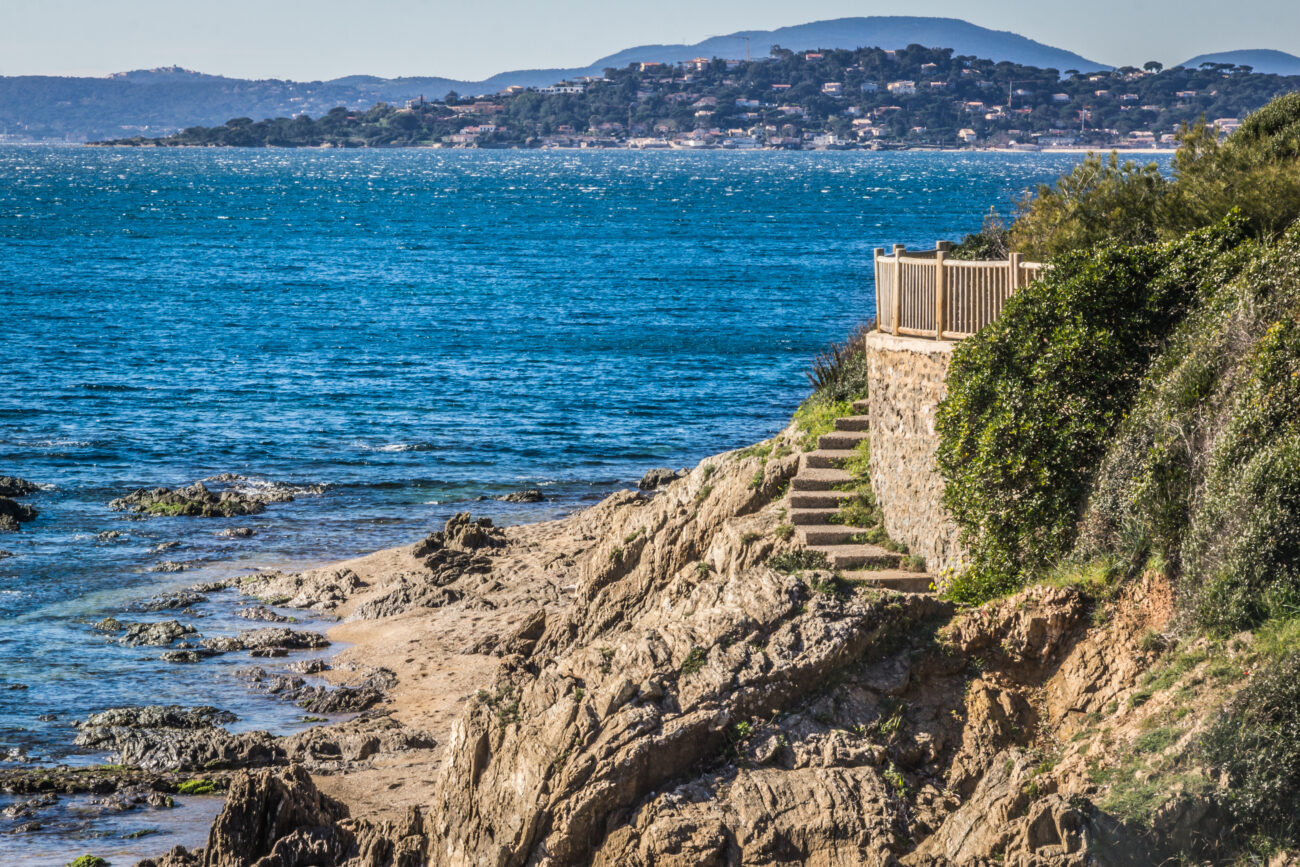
(814, 499)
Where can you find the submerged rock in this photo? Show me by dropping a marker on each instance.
(237, 533)
(4, 554)
(12, 486)
(29, 808)
(108, 536)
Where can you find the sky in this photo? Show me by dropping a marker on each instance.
(320, 39)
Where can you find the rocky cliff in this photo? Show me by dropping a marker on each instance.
(655, 681)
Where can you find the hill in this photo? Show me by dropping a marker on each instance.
(893, 31)
(1260, 60)
(832, 98)
(161, 101)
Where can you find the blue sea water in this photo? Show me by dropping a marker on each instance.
(413, 330)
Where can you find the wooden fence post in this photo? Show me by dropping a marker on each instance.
(875, 260)
(898, 287)
(1014, 264)
(940, 290)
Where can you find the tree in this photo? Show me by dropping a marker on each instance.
(1153, 66)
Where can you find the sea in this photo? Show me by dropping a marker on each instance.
(399, 336)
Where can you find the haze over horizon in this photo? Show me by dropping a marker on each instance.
(394, 38)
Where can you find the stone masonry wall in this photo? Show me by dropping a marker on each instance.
(908, 379)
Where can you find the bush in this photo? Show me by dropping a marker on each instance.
(1204, 474)
(992, 241)
(1098, 201)
(798, 560)
(1034, 399)
(839, 373)
(1256, 742)
(1256, 170)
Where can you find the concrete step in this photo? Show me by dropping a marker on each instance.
(808, 517)
(862, 406)
(818, 499)
(826, 459)
(841, 439)
(828, 534)
(858, 556)
(819, 480)
(892, 579)
(853, 422)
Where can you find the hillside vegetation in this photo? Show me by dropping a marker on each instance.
(1137, 411)
(912, 96)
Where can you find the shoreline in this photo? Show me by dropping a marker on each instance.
(669, 149)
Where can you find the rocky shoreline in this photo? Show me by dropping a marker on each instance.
(648, 681)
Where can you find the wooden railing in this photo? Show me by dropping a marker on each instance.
(923, 293)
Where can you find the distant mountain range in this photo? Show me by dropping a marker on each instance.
(1261, 60)
(880, 32)
(161, 101)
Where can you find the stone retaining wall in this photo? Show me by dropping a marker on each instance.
(908, 379)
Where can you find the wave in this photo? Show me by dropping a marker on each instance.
(401, 447)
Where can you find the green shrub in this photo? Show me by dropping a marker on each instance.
(1256, 743)
(88, 861)
(1256, 171)
(798, 560)
(1034, 399)
(1099, 201)
(992, 241)
(839, 373)
(1203, 476)
(693, 662)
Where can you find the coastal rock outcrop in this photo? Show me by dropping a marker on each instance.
(12, 486)
(277, 819)
(355, 695)
(177, 599)
(659, 477)
(317, 589)
(13, 513)
(282, 637)
(162, 634)
(653, 681)
(195, 500)
(528, 495)
(170, 738)
(234, 496)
